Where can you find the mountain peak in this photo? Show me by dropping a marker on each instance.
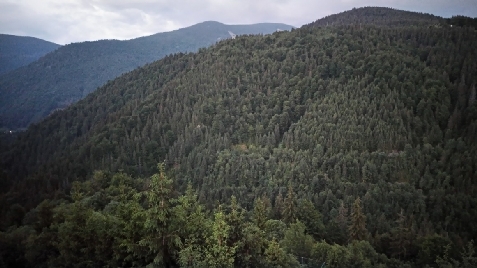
(18, 51)
(380, 16)
(210, 22)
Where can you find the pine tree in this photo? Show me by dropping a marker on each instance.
(235, 219)
(357, 228)
(160, 234)
(217, 252)
(297, 242)
(401, 237)
(337, 228)
(278, 206)
(289, 206)
(309, 215)
(342, 217)
(275, 256)
(260, 213)
(193, 226)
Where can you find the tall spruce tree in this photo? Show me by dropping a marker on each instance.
(161, 236)
(357, 228)
(289, 206)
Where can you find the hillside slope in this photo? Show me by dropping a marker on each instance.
(18, 51)
(73, 71)
(374, 119)
(378, 16)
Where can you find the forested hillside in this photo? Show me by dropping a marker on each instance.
(378, 16)
(350, 145)
(18, 51)
(462, 21)
(67, 75)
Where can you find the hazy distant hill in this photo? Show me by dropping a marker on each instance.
(18, 51)
(71, 72)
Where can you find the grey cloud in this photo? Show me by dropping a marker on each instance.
(14, 19)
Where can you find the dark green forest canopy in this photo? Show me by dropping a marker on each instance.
(67, 75)
(370, 129)
(379, 16)
(462, 21)
(18, 51)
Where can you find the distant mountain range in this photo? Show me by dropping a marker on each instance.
(72, 71)
(18, 51)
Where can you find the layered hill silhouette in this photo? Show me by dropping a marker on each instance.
(18, 51)
(73, 71)
(374, 125)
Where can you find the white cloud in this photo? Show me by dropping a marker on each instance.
(66, 21)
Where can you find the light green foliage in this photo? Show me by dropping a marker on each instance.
(194, 228)
(333, 255)
(217, 252)
(275, 256)
(275, 229)
(297, 242)
(355, 254)
(160, 229)
(260, 213)
(190, 216)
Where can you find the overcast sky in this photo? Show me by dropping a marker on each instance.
(67, 21)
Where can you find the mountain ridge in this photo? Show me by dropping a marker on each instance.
(390, 17)
(70, 73)
(17, 51)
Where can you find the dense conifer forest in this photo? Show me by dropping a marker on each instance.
(67, 75)
(344, 143)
